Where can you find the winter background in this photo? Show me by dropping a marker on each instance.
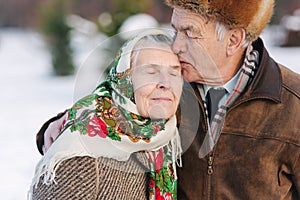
(30, 94)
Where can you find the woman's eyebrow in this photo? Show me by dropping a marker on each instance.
(150, 65)
(176, 67)
(159, 65)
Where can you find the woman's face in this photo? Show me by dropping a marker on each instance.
(157, 82)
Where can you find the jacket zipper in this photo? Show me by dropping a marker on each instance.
(210, 156)
(210, 162)
(209, 172)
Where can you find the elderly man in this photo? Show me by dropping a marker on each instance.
(248, 142)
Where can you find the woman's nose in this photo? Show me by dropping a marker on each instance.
(164, 81)
(178, 45)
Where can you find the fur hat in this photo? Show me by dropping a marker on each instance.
(253, 15)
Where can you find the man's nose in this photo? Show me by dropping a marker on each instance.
(179, 45)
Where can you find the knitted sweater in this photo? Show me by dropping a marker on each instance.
(94, 179)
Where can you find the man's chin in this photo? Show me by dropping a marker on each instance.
(189, 76)
(209, 82)
(193, 79)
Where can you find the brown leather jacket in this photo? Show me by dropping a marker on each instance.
(257, 155)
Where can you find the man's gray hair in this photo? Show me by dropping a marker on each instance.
(221, 30)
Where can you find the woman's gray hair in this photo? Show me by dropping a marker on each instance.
(221, 30)
(150, 41)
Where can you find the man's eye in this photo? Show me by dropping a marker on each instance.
(175, 35)
(190, 33)
(193, 34)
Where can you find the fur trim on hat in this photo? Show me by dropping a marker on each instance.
(253, 15)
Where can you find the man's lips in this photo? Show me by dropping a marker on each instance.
(183, 62)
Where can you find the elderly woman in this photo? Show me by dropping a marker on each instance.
(127, 126)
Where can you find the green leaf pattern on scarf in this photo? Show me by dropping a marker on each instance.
(162, 182)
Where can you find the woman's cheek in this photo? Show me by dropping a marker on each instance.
(141, 104)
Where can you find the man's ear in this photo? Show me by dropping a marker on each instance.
(236, 38)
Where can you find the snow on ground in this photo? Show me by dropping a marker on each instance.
(30, 95)
(288, 56)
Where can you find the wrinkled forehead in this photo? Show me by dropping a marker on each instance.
(155, 54)
(183, 17)
(155, 58)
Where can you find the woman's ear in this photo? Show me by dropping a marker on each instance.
(235, 41)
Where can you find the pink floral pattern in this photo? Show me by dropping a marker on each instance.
(97, 127)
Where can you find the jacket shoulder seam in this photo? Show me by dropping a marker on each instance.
(291, 90)
(265, 137)
(285, 82)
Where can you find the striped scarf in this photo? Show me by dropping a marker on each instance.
(249, 68)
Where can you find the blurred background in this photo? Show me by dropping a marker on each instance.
(52, 52)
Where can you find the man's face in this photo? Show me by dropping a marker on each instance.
(157, 82)
(201, 54)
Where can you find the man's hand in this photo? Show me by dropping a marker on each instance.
(53, 128)
(52, 132)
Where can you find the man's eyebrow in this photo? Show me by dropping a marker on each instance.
(192, 28)
(186, 27)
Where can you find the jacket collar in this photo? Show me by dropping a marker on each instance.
(268, 80)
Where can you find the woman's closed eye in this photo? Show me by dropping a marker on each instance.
(151, 70)
(174, 72)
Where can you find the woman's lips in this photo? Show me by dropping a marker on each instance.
(163, 99)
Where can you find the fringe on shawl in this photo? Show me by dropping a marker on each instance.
(47, 167)
(176, 153)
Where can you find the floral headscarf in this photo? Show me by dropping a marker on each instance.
(107, 124)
